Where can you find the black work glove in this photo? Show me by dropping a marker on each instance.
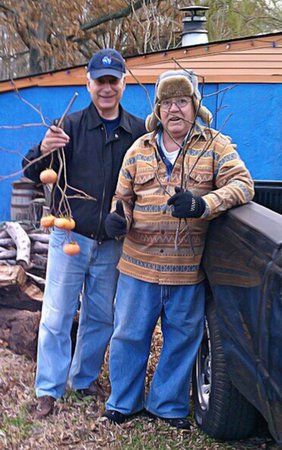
(115, 222)
(186, 205)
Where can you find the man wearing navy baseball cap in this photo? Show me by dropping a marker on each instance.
(106, 83)
(106, 62)
(94, 140)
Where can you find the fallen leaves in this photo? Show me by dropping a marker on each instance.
(78, 424)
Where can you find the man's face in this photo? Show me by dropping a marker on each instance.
(106, 93)
(177, 115)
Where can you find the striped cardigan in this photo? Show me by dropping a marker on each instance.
(155, 248)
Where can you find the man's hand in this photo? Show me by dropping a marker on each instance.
(53, 139)
(115, 223)
(186, 205)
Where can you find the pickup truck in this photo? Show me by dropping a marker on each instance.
(237, 377)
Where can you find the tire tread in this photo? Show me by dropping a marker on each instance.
(230, 415)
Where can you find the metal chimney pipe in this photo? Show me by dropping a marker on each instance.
(194, 31)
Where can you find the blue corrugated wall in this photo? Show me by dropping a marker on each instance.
(254, 124)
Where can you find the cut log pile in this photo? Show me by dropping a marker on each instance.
(21, 244)
(23, 260)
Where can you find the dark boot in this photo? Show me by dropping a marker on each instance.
(177, 422)
(115, 416)
(95, 390)
(184, 424)
(45, 407)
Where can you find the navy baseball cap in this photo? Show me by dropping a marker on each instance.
(106, 62)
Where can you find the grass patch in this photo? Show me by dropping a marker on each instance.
(17, 428)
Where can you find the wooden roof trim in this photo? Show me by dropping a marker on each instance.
(240, 57)
(256, 43)
(241, 77)
(69, 77)
(267, 79)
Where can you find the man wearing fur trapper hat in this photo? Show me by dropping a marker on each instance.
(172, 182)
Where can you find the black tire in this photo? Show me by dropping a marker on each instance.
(219, 408)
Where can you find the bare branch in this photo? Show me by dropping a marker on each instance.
(61, 121)
(25, 125)
(124, 12)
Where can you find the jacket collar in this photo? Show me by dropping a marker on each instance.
(95, 121)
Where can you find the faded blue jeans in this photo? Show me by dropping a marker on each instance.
(138, 307)
(94, 271)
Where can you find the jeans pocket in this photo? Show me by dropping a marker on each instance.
(57, 237)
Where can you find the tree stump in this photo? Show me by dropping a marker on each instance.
(19, 329)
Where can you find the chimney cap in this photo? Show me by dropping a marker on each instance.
(194, 9)
(194, 31)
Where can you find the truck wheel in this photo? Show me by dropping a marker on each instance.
(219, 408)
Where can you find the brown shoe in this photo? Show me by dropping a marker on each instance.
(94, 390)
(45, 407)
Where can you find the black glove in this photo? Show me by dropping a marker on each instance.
(186, 205)
(115, 222)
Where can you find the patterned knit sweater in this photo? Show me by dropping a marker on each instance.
(156, 249)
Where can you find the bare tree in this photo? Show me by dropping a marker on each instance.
(42, 35)
(236, 18)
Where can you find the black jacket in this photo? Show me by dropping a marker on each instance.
(93, 161)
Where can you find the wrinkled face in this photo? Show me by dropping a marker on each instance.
(106, 93)
(177, 115)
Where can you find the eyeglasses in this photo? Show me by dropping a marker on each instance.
(180, 103)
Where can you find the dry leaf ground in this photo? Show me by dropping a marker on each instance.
(77, 424)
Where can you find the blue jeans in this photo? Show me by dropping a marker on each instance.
(138, 307)
(94, 271)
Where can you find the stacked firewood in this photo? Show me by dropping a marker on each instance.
(22, 244)
(23, 259)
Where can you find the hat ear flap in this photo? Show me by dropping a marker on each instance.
(202, 112)
(152, 120)
(205, 115)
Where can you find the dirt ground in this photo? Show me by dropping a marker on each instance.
(78, 424)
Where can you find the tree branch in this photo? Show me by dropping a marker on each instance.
(124, 12)
(9, 10)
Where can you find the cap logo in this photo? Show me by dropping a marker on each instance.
(107, 60)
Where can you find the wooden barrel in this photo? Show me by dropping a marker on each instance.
(22, 192)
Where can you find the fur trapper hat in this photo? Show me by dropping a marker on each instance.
(177, 83)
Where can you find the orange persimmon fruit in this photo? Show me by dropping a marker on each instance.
(65, 223)
(71, 249)
(47, 221)
(48, 176)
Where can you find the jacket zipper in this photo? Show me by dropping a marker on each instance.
(101, 213)
(103, 196)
